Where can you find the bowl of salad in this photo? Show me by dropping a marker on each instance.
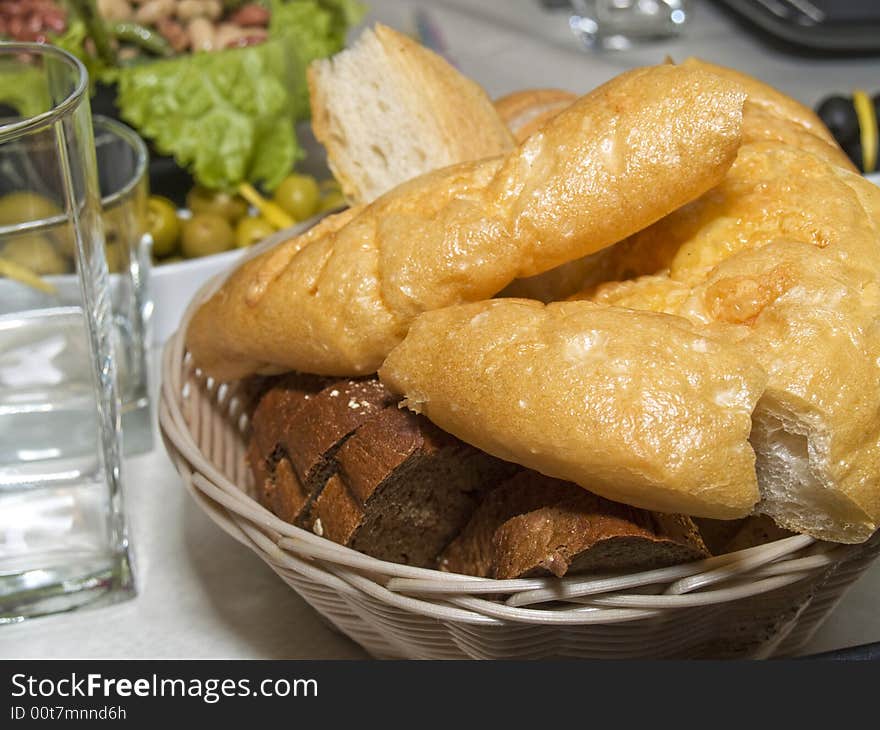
(217, 89)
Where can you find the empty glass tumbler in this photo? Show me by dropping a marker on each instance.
(618, 24)
(65, 326)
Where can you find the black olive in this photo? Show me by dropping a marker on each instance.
(853, 150)
(840, 117)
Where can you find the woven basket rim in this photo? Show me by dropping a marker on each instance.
(584, 599)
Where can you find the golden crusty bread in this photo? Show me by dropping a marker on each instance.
(783, 258)
(772, 191)
(767, 98)
(638, 407)
(525, 112)
(768, 116)
(387, 109)
(338, 299)
(811, 321)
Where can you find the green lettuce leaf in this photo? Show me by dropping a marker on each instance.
(312, 29)
(229, 116)
(73, 41)
(24, 89)
(226, 116)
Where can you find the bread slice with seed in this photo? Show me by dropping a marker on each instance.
(297, 427)
(387, 110)
(534, 525)
(404, 489)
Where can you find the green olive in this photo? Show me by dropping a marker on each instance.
(252, 230)
(216, 202)
(22, 207)
(35, 253)
(205, 234)
(332, 201)
(298, 195)
(163, 225)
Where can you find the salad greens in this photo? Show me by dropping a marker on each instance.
(73, 40)
(25, 90)
(312, 29)
(228, 116)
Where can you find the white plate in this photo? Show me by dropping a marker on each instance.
(173, 286)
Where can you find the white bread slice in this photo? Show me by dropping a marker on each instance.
(388, 110)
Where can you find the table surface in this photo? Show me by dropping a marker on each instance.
(203, 595)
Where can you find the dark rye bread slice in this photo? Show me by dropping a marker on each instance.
(534, 525)
(404, 488)
(297, 427)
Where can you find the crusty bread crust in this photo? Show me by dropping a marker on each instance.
(336, 300)
(782, 259)
(769, 99)
(637, 407)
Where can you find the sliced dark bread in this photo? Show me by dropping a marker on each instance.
(534, 525)
(297, 427)
(717, 534)
(404, 488)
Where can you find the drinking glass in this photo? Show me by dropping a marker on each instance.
(63, 536)
(123, 180)
(618, 24)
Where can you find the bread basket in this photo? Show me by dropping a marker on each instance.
(756, 603)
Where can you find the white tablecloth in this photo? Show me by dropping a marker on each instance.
(201, 594)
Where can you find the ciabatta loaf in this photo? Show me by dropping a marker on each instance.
(336, 300)
(388, 110)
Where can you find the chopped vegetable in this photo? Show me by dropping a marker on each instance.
(272, 212)
(25, 276)
(87, 11)
(141, 36)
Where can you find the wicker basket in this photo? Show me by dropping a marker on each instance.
(760, 602)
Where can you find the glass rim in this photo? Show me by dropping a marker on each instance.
(133, 140)
(65, 106)
(138, 146)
